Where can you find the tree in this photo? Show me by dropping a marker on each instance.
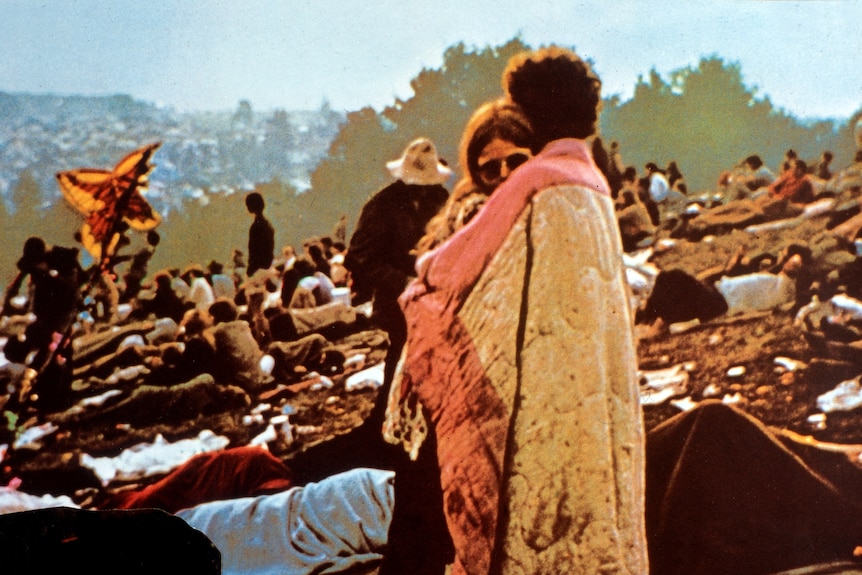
(243, 118)
(442, 103)
(706, 119)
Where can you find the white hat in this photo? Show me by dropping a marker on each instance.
(419, 164)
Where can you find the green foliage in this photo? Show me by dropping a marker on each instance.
(707, 120)
(442, 103)
(703, 117)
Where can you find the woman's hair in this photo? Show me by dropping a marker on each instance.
(497, 119)
(557, 91)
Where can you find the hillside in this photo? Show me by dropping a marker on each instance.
(753, 342)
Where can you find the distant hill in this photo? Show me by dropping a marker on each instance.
(206, 161)
(203, 152)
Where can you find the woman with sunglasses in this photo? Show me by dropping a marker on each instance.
(521, 355)
(497, 139)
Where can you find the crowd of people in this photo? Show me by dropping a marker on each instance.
(658, 204)
(476, 457)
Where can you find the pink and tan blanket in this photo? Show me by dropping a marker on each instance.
(520, 349)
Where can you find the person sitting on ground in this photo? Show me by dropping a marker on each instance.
(165, 301)
(746, 179)
(645, 198)
(198, 346)
(616, 167)
(848, 179)
(316, 252)
(822, 171)
(634, 221)
(337, 272)
(200, 290)
(256, 317)
(287, 257)
(759, 175)
(658, 183)
(789, 157)
(629, 181)
(222, 284)
(793, 184)
(313, 288)
(238, 355)
(674, 176)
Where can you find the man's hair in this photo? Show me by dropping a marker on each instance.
(254, 202)
(557, 91)
(754, 161)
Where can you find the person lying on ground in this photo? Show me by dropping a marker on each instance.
(725, 494)
(678, 297)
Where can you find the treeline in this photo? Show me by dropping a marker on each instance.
(705, 118)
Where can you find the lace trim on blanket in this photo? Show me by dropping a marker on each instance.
(405, 424)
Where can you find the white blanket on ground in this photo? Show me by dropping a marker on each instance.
(759, 291)
(148, 459)
(334, 526)
(14, 501)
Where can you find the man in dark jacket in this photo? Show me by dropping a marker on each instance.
(261, 236)
(380, 259)
(381, 255)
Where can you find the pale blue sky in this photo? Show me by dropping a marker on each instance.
(293, 54)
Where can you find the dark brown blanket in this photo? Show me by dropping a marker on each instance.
(726, 496)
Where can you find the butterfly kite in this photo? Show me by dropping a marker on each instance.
(109, 199)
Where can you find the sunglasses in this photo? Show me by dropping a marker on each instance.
(492, 170)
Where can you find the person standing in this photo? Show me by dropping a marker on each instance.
(261, 236)
(381, 254)
(530, 383)
(380, 259)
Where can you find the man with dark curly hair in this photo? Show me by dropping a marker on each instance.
(558, 92)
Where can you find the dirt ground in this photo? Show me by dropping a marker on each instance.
(784, 400)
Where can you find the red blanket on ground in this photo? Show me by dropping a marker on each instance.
(238, 472)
